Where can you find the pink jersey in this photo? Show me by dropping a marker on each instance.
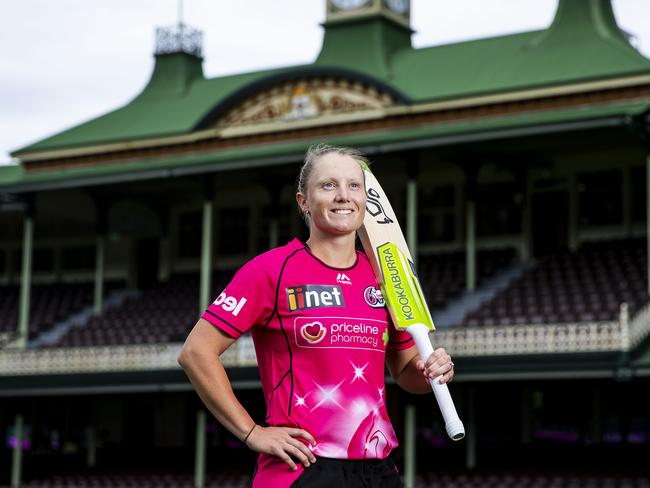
(320, 336)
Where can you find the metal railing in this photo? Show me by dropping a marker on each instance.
(619, 335)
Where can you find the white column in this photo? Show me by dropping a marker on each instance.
(91, 451)
(412, 218)
(470, 440)
(470, 245)
(165, 258)
(274, 232)
(206, 255)
(26, 280)
(409, 447)
(199, 460)
(99, 274)
(17, 454)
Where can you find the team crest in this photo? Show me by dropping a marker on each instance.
(373, 297)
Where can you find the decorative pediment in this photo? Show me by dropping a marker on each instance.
(305, 99)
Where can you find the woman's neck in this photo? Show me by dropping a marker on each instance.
(338, 251)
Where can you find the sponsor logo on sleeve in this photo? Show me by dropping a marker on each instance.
(314, 296)
(230, 304)
(340, 333)
(373, 297)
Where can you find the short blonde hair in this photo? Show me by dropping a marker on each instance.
(317, 151)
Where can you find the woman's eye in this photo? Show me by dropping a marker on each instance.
(355, 186)
(328, 185)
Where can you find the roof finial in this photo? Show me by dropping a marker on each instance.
(180, 38)
(180, 16)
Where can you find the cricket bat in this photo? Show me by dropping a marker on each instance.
(386, 247)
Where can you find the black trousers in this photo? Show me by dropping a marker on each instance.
(346, 473)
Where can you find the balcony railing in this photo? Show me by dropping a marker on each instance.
(584, 337)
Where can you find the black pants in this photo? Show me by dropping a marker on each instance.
(344, 473)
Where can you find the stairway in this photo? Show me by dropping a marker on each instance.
(469, 301)
(55, 334)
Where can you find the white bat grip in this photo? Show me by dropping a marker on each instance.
(453, 424)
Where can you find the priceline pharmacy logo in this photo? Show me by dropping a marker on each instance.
(314, 296)
(340, 332)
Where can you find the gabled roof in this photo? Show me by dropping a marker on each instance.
(155, 112)
(259, 155)
(583, 43)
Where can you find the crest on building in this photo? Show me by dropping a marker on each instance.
(303, 99)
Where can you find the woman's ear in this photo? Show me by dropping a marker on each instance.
(302, 203)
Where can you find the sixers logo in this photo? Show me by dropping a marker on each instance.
(373, 297)
(313, 332)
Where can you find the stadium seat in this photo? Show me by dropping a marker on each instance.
(583, 286)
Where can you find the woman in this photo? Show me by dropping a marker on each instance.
(322, 338)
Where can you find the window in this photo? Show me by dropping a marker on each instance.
(436, 213)
(44, 259)
(233, 230)
(601, 198)
(639, 194)
(498, 209)
(284, 216)
(189, 234)
(78, 258)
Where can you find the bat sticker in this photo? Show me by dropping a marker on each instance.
(377, 208)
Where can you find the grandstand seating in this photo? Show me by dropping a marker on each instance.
(167, 312)
(586, 285)
(162, 314)
(526, 480)
(442, 275)
(50, 303)
(240, 478)
(226, 479)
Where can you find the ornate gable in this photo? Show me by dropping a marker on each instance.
(307, 98)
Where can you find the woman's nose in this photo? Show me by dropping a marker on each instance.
(342, 193)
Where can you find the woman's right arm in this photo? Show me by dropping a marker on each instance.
(200, 358)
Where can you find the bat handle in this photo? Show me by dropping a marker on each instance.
(453, 424)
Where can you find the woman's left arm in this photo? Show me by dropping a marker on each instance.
(412, 373)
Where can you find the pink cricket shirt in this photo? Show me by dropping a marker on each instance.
(320, 336)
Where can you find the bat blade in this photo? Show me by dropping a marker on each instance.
(386, 248)
(401, 288)
(384, 243)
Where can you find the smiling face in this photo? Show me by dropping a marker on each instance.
(334, 196)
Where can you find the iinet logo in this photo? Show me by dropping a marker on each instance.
(314, 296)
(343, 278)
(230, 304)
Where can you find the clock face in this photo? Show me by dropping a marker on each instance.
(400, 7)
(348, 4)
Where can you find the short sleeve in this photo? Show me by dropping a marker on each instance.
(246, 301)
(397, 339)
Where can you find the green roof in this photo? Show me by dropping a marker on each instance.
(582, 44)
(15, 178)
(162, 109)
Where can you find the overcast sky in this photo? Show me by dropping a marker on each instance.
(66, 61)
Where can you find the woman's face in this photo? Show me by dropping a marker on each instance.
(335, 195)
